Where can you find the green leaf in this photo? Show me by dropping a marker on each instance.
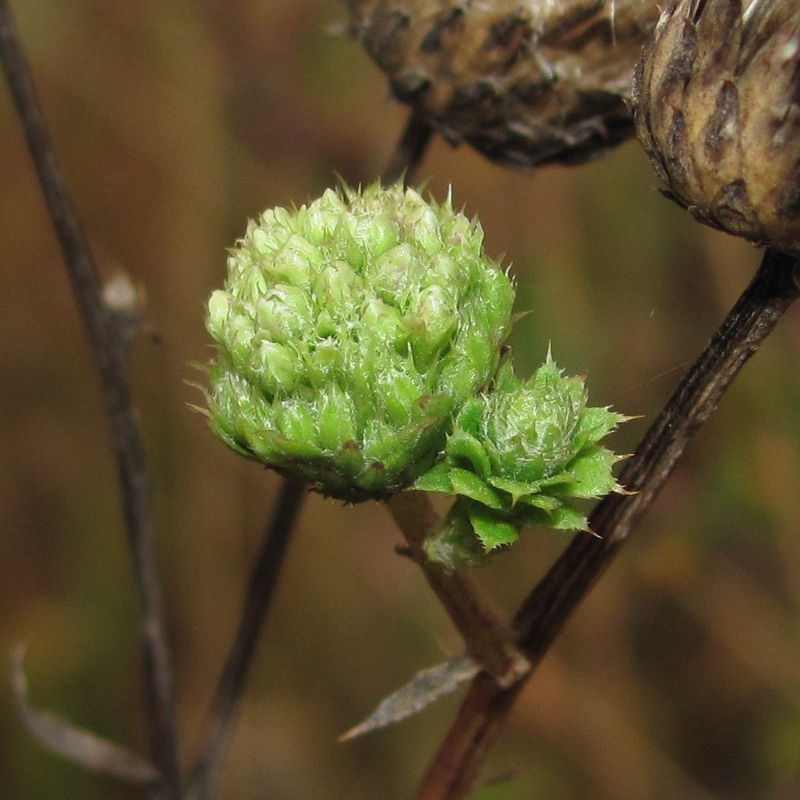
(462, 447)
(517, 489)
(545, 502)
(527, 515)
(436, 479)
(592, 473)
(470, 416)
(505, 380)
(334, 421)
(598, 422)
(470, 485)
(567, 518)
(493, 531)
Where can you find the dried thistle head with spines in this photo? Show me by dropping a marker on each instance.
(717, 109)
(525, 82)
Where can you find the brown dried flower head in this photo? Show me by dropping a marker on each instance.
(525, 82)
(717, 109)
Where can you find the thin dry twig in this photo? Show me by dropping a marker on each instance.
(109, 353)
(454, 770)
(410, 151)
(260, 590)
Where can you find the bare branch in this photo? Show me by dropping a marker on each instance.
(487, 637)
(410, 151)
(453, 772)
(109, 352)
(263, 579)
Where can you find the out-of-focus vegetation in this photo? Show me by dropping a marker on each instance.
(678, 678)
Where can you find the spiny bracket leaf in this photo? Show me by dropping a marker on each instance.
(519, 453)
(491, 529)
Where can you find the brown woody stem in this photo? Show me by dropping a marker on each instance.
(541, 617)
(488, 639)
(218, 727)
(409, 152)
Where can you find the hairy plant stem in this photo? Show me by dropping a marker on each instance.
(409, 152)
(108, 346)
(263, 579)
(488, 639)
(454, 770)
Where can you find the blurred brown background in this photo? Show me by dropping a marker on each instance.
(175, 122)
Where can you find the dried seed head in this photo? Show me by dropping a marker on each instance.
(717, 109)
(525, 82)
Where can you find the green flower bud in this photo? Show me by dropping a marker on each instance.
(516, 456)
(717, 109)
(349, 333)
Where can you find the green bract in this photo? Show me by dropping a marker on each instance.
(516, 456)
(349, 333)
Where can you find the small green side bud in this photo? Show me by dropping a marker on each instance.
(516, 456)
(349, 333)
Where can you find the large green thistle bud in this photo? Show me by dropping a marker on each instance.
(349, 333)
(717, 108)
